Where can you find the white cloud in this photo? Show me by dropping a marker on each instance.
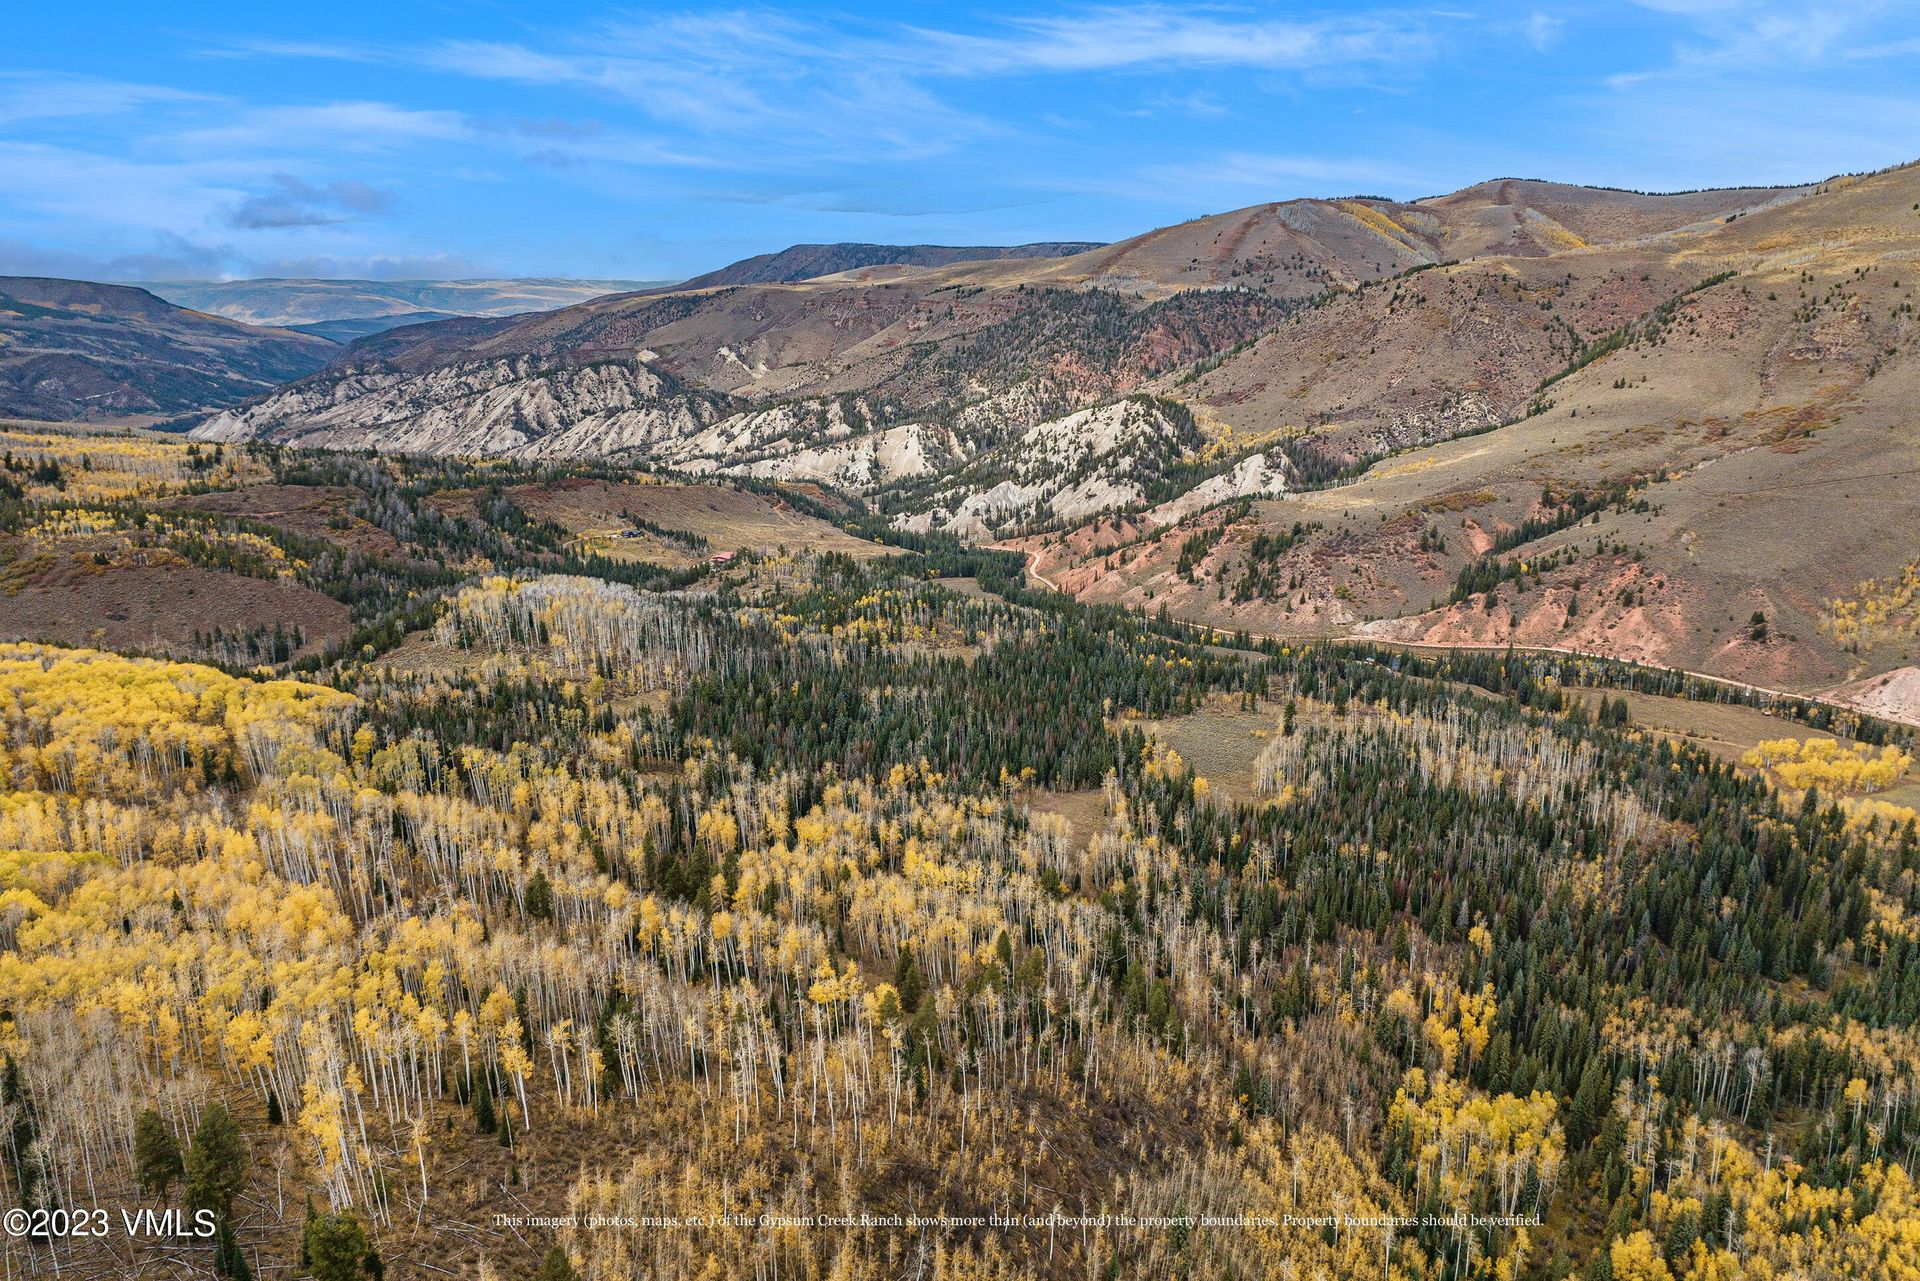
(36, 96)
(1108, 39)
(171, 258)
(799, 91)
(104, 190)
(1767, 91)
(1543, 30)
(294, 202)
(332, 126)
(819, 89)
(1750, 34)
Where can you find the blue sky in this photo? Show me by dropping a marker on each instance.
(442, 139)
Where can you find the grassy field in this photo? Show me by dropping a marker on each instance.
(1084, 810)
(1220, 742)
(728, 519)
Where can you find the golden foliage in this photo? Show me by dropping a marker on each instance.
(1828, 764)
(1879, 610)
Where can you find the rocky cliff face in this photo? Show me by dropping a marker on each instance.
(509, 405)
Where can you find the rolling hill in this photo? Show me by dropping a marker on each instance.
(70, 350)
(1301, 248)
(1053, 333)
(351, 328)
(1693, 451)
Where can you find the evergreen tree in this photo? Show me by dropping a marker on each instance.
(229, 1260)
(22, 1132)
(336, 1248)
(1590, 1102)
(156, 1154)
(908, 981)
(216, 1163)
(540, 897)
(557, 1266)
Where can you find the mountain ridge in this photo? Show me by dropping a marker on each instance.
(810, 261)
(78, 350)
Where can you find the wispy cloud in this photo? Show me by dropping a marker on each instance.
(1761, 91)
(822, 88)
(331, 126)
(169, 258)
(43, 96)
(295, 203)
(1753, 35)
(799, 90)
(1542, 30)
(1153, 36)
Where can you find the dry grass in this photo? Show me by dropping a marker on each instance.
(66, 598)
(313, 511)
(1220, 742)
(729, 519)
(1084, 810)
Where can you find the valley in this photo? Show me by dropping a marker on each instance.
(1348, 738)
(849, 868)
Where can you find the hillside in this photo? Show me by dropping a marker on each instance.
(1641, 435)
(70, 350)
(950, 338)
(805, 262)
(351, 328)
(141, 541)
(1299, 248)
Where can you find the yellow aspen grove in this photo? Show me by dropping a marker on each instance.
(813, 914)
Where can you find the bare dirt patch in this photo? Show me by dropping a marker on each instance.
(1893, 695)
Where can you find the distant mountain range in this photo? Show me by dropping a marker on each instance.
(1521, 412)
(350, 329)
(989, 342)
(82, 351)
(306, 302)
(343, 311)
